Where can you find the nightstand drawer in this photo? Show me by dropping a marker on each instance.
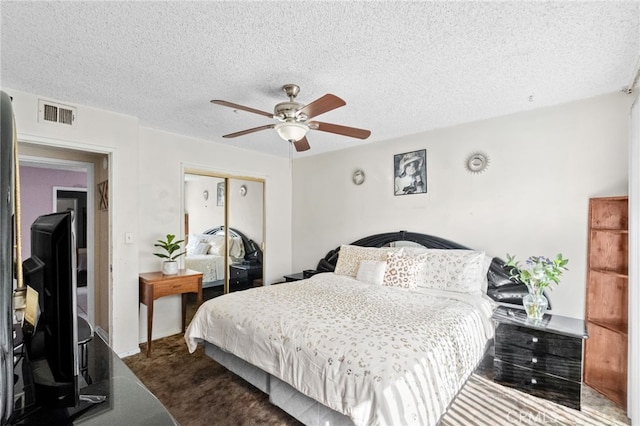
(239, 274)
(567, 368)
(537, 341)
(175, 286)
(561, 391)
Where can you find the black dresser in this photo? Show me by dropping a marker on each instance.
(541, 358)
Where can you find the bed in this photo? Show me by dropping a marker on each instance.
(205, 253)
(383, 334)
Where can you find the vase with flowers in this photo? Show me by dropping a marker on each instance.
(537, 273)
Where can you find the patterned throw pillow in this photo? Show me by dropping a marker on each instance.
(350, 257)
(402, 270)
(371, 271)
(462, 271)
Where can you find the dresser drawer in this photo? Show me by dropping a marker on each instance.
(561, 391)
(567, 368)
(537, 341)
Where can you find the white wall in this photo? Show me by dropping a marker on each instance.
(532, 199)
(245, 212)
(160, 190)
(117, 135)
(203, 214)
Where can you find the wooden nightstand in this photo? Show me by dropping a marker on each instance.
(241, 276)
(153, 285)
(544, 360)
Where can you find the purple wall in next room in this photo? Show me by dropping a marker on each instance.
(36, 196)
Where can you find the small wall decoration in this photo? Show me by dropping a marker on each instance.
(243, 190)
(410, 169)
(220, 194)
(103, 193)
(205, 195)
(358, 177)
(477, 162)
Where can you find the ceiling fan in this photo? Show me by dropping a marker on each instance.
(294, 118)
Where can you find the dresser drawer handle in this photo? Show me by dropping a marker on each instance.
(534, 382)
(534, 339)
(534, 360)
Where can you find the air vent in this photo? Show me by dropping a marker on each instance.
(56, 113)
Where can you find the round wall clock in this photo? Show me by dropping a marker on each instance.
(477, 162)
(358, 177)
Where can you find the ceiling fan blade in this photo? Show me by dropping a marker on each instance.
(243, 108)
(321, 105)
(341, 130)
(302, 144)
(246, 132)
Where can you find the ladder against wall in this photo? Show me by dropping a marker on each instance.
(605, 359)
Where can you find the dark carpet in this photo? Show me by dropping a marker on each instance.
(198, 391)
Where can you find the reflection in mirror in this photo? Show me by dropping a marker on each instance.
(205, 236)
(205, 253)
(246, 215)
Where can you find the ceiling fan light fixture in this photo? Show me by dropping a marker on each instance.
(292, 131)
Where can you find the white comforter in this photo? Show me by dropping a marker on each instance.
(381, 355)
(211, 266)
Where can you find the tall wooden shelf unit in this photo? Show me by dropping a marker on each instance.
(605, 359)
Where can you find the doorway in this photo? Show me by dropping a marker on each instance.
(50, 181)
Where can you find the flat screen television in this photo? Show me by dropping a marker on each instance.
(52, 344)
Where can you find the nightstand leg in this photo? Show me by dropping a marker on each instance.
(149, 326)
(184, 311)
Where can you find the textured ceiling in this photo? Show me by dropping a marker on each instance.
(402, 67)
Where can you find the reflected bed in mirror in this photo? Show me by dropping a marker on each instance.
(206, 251)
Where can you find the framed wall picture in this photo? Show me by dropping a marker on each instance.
(103, 193)
(220, 194)
(410, 170)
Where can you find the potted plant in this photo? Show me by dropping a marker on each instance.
(169, 266)
(537, 273)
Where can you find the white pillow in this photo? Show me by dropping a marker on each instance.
(462, 271)
(371, 271)
(201, 248)
(236, 247)
(485, 271)
(217, 245)
(192, 242)
(350, 257)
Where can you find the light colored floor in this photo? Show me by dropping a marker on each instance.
(592, 400)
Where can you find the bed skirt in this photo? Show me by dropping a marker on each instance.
(281, 394)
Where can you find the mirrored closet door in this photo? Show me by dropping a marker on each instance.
(224, 230)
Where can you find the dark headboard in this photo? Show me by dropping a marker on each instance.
(501, 287)
(251, 248)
